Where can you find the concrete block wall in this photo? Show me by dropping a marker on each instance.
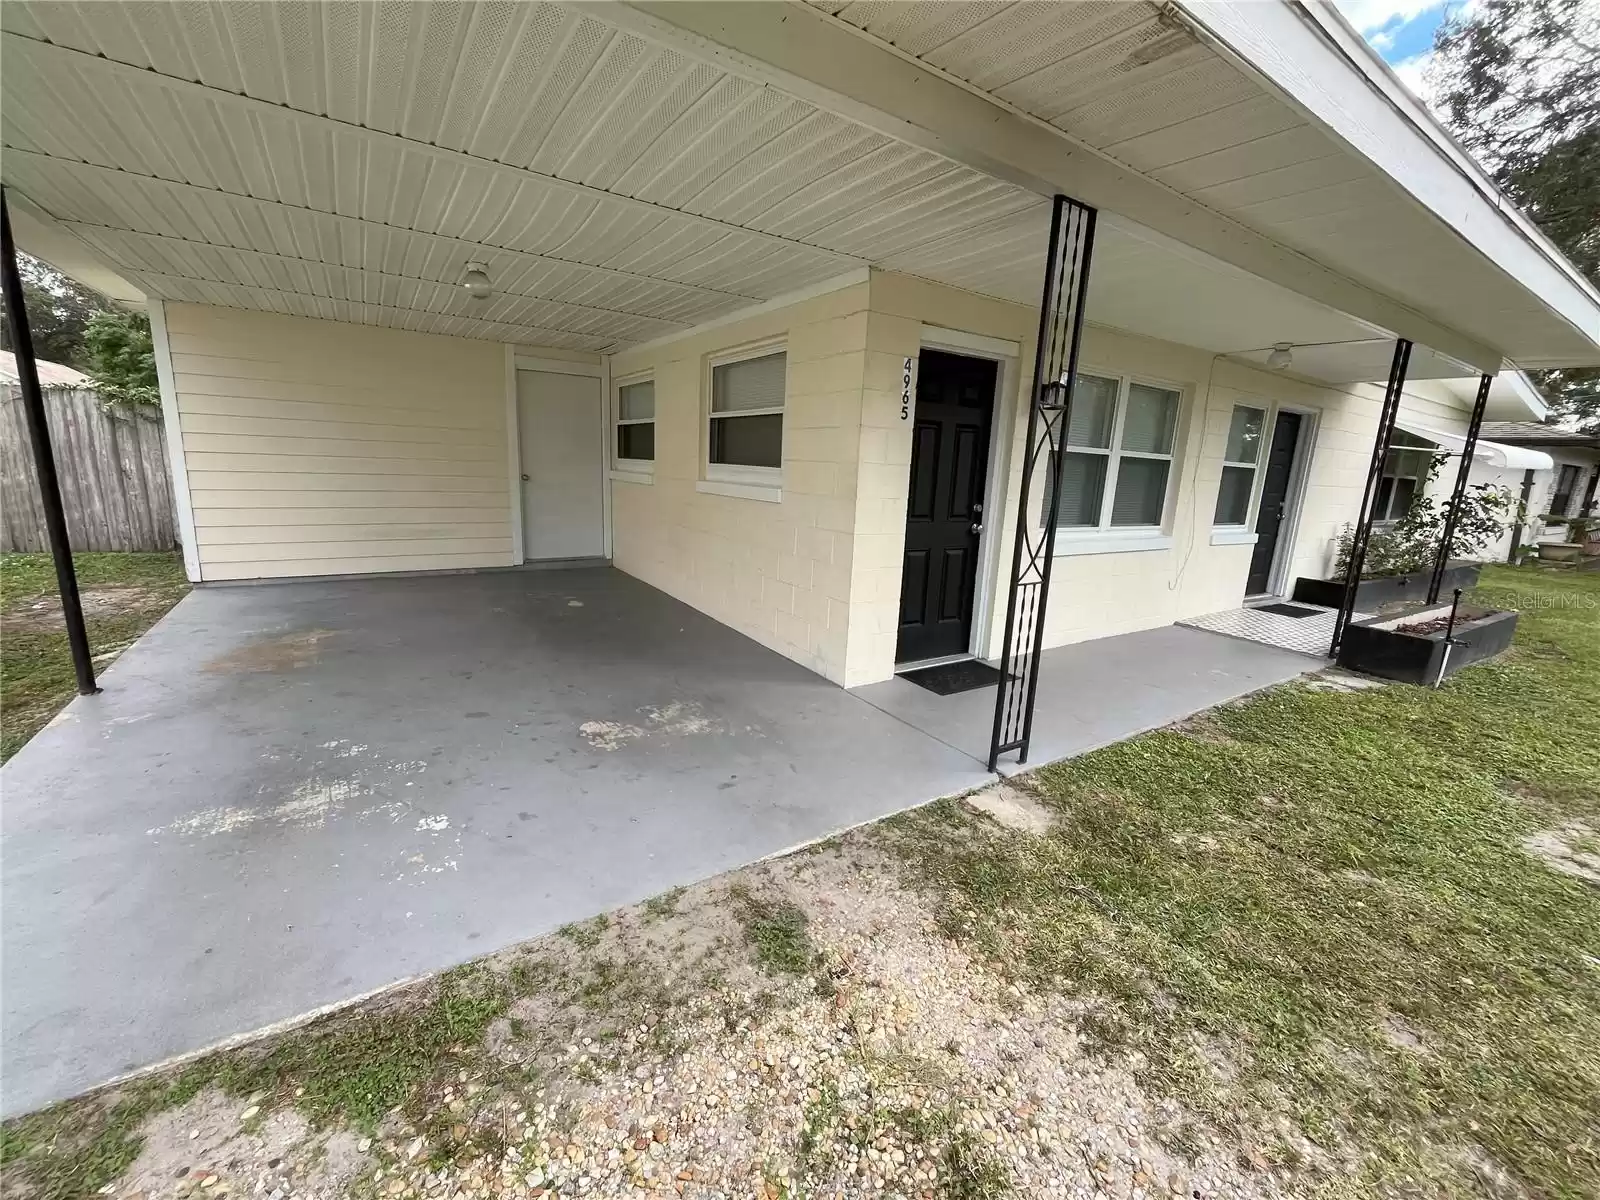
(777, 570)
(816, 576)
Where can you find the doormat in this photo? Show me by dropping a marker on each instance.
(946, 679)
(1290, 610)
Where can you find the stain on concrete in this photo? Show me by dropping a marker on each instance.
(310, 805)
(285, 652)
(609, 735)
(682, 718)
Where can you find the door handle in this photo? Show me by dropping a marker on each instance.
(524, 479)
(975, 527)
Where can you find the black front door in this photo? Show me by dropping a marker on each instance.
(944, 513)
(1274, 498)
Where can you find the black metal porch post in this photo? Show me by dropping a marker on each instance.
(1459, 492)
(1380, 451)
(1055, 365)
(44, 459)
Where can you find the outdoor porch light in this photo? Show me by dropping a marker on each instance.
(1282, 355)
(476, 281)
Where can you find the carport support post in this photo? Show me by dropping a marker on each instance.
(1459, 493)
(44, 459)
(1055, 366)
(1369, 497)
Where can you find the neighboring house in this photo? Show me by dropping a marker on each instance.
(1565, 486)
(753, 292)
(51, 374)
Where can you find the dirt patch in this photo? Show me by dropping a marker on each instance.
(1013, 808)
(286, 652)
(218, 1144)
(1573, 849)
(42, 614)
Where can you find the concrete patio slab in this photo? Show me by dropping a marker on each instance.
(1094, 693)
(291, 794)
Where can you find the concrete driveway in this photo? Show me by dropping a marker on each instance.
(291, 794)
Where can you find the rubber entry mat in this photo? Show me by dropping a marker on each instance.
(1287, 610)
(946, 679)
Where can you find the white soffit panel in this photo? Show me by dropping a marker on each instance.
(1187, 116)
(617, 191)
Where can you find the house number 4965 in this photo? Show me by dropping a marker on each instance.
(905, 389)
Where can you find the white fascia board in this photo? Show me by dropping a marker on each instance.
(1308, 54)
(844, 70)
(44, 237)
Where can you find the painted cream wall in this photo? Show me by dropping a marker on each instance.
(316, 447)
(779, 571)
(1092, 594)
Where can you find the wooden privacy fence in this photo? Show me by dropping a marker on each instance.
(113, 467)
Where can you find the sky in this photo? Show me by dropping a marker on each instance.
(1401, 31)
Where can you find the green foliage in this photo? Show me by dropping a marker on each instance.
(1322, 912)
(122, 358)
(777, 933)
(59, 311)
(1519, 84)
(1411, 544)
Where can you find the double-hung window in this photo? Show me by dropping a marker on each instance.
(744, 435)
(1115, 464)
(634, 442)
(1241, 458)
(1405, 469)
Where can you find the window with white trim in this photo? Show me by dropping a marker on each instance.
(1241, 458)
(1405, 469)
(633, 444)
(744, 419)
(1115, 463)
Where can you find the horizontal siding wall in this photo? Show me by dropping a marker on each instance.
(321, 448)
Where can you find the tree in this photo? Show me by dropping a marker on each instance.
(122, 358)
(1518, 82)
(59, 312)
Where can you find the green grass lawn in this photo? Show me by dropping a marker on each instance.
(1316, 905)
(124, 594)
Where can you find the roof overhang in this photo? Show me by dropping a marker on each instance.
(629, 171)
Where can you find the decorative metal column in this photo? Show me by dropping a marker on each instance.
(1055, 363)
(1369, 497)
(44, 459)
(1459, 492)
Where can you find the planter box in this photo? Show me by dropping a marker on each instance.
(1375, 647)
(1560, 551)
(1373, 595)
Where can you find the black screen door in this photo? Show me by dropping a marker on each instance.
(944, 513)
(1274, 498)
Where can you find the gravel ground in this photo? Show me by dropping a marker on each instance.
(657, 1056)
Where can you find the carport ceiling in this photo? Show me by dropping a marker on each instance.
(347, 160)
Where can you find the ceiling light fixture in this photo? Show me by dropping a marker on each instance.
(476, 281)
(1282, 355)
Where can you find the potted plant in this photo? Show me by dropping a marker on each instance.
(1582, 538)
(1400, 556)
